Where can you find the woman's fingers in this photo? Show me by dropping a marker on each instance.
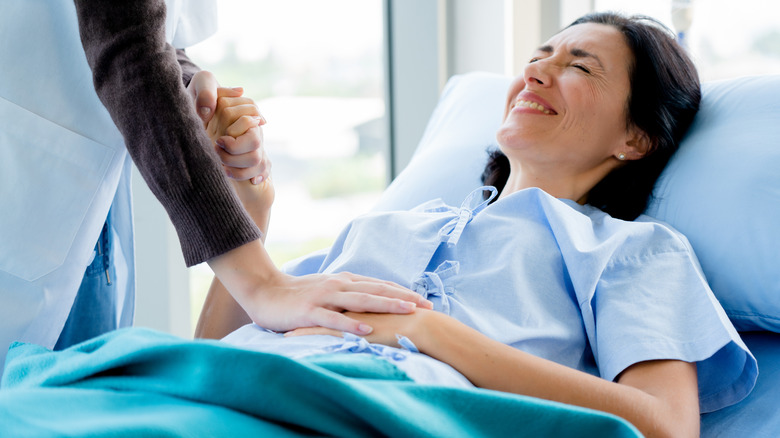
(229, 91)
(244, 151)
(307, 331)
(239, 174)
(234, 107)
(227, 116)
(338, 322)
(254, 164)
(237, 107)
(242, 125)
(228, 111)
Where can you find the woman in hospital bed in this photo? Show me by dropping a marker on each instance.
(546, 282)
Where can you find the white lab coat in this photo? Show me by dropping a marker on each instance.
(62, 166)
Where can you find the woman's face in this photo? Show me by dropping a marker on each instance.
(567, 112)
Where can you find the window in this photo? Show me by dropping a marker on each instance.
(316, 70)
(726, 39)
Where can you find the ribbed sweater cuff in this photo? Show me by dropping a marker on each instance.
(209, 222)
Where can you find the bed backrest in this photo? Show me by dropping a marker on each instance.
(722, 188)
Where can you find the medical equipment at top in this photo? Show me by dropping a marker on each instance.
(682, 17)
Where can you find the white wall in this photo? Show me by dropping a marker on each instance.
(475, 36)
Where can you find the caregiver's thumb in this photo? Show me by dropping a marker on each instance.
(203, 90)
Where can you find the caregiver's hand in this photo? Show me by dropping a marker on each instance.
(282, 302)
(385, 327)
(203, 91)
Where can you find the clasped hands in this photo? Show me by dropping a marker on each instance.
(237, 127)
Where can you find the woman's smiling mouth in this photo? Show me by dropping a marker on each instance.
(530, 100)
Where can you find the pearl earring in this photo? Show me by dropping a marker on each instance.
(621, 156)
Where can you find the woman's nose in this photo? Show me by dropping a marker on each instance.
(537, 73)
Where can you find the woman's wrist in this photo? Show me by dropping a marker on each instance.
(257, 199)
(423, 330)
(241, 270)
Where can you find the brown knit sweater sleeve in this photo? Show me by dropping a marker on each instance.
(138, 79)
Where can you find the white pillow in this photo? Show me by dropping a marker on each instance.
(450, 158)
(722, 189)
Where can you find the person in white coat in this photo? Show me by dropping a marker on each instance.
(65, 179)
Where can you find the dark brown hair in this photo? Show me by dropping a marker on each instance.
(664, 98)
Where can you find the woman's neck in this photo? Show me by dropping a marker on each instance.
(574, 187)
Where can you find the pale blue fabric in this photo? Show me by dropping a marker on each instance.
(558, 280)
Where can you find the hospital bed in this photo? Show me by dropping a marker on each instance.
(722, 189)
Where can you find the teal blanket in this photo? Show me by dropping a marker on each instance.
(137, 382)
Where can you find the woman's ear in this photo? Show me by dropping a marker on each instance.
(637, 146)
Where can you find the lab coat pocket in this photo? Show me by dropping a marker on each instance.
(49, 177)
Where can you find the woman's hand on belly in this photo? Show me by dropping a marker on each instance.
(384, 327)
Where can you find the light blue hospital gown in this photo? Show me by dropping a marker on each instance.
(551, 277)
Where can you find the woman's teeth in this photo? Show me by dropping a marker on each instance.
(532, 105)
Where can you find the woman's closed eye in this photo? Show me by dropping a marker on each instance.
(581, 67)
(578, 66)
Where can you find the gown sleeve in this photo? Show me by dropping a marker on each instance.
(656, 304)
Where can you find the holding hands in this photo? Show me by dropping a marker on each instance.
(233, 123)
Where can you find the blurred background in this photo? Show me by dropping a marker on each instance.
(348, 85)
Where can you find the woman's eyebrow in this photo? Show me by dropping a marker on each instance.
(578, 53)
(546, 49)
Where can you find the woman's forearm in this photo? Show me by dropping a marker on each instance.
(257, 200)
(221, 313)
(659, 398)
